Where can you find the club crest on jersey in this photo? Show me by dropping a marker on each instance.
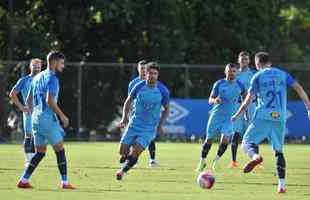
(275, 115)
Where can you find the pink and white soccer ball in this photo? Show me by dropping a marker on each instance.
(205, 180)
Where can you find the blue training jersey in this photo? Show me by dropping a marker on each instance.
(132, 83)
(245, 77)
(229, 92)
(46, 81)
(147, 105)
(270, 87)
(23, 86)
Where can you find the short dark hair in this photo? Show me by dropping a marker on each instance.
(142, 62)
(244, 53)
(54, 55)
(262, 57)
(153, 65)
(231, 65)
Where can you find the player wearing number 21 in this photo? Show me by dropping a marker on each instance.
(269, 85)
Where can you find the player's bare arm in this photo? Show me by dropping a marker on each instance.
(303, 95)
(52, 103)
(215, 100)
(16, 101)
(243, 106)
(164, 116)
(126, 109)
(29, 101)
(246, 113)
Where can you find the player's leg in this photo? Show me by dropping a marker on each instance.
(124, 150)
(234, 149)
(223, 145)
(257, 131)
(131, 160)
(127, 140)
(55, 138)
(29, 149)
(225, 139)
(141, 143)
(205, 148)
(281, 165)
(152, 151)
(277, 140)
(40, 148)
(212, 131)
(239, 128)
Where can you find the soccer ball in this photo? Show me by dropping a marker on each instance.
(205, 180)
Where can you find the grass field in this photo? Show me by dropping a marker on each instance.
(92, 167)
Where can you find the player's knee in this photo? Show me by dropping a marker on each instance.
(225, 139)
(124, 150)
(208, 141)
(40, 149)
(137, 150)
(58, 147)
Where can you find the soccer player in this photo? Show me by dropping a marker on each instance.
(244, 75)
(269, 85)
(224, 96)
(149, 97)
(22, 86)
(42, 100)
(142, 68)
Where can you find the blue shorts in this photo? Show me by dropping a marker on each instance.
(46, 129)
(132, 136)
(217, 126)
(261, 129)
(27, 124)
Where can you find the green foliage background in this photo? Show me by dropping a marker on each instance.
(170, 31)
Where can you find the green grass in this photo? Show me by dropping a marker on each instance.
(92, 167)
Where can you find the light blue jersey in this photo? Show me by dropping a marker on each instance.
(269, 85)
(229, 92)
(241, 124)
(219, 121)
(46, 127)
(23, 86)
(46, 81)
(146, 114)
(133, 83)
